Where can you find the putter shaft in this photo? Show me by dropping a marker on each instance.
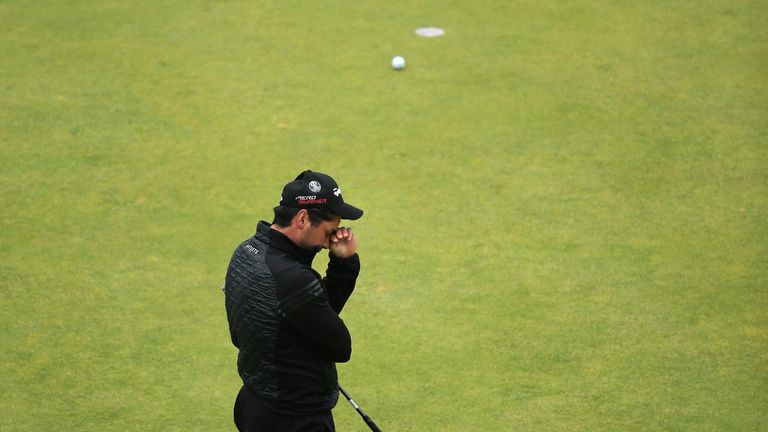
(359, 410)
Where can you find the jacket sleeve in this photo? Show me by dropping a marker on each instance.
(340, 278)
(303, 303)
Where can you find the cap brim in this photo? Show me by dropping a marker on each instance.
(347, 211)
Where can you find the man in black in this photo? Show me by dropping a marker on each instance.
(284, 317)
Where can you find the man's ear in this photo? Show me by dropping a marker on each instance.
(301, 220)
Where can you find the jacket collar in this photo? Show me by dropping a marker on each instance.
(280, 241)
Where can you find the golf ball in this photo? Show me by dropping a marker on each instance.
(398, 63)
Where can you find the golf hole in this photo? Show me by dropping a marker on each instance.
(430, 31)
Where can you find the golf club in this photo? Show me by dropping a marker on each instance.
(365, 417)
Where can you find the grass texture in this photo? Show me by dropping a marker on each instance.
(566, 206)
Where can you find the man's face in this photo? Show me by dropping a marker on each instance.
(318, 236)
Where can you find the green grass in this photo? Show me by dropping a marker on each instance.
(566, 207)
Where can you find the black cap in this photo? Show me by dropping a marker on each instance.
(317, 190)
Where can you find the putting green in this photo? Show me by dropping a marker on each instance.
(565, 207)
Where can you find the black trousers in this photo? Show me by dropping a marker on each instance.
(251, 415)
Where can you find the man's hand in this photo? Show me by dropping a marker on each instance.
(343, 243)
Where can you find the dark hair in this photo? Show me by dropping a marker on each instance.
(284, 215)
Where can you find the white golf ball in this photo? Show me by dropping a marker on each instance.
(398, 63)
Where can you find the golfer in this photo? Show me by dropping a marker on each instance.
(284, 316)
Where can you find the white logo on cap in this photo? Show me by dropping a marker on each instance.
(337, 191)
(314, 186)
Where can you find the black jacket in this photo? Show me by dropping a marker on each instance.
(284, 319)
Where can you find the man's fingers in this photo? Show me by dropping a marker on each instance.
(342, 234)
